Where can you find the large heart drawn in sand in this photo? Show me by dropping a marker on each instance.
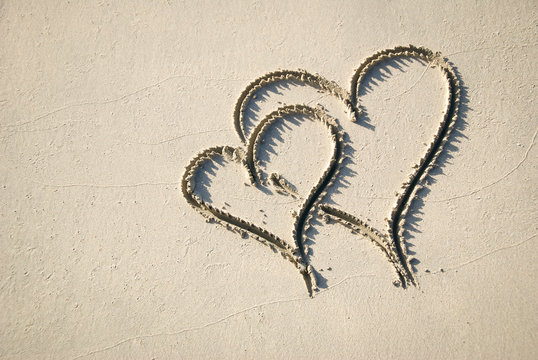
(392, 243)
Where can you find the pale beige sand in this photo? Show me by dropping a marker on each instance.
(103, 106)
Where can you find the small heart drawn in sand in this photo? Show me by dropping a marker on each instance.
(392, 243)
(249, 159)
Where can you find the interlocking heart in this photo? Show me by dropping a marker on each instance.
(392, 244)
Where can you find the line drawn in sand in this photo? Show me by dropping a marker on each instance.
(392, 242)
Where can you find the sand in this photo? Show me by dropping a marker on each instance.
(388, 213)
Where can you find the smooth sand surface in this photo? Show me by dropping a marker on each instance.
(102, 107)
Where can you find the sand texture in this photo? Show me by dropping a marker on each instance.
(244, 180)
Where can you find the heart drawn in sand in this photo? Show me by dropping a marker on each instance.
(391, 243)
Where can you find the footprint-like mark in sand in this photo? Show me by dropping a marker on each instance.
(392, 242)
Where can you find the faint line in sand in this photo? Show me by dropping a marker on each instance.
(107, 186)
(495, 182)
(483, 256)
(201, 327)
(496, 48)
(109, 101)
(183, 136)
(274, 302)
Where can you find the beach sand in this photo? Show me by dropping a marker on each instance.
(104, 105)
